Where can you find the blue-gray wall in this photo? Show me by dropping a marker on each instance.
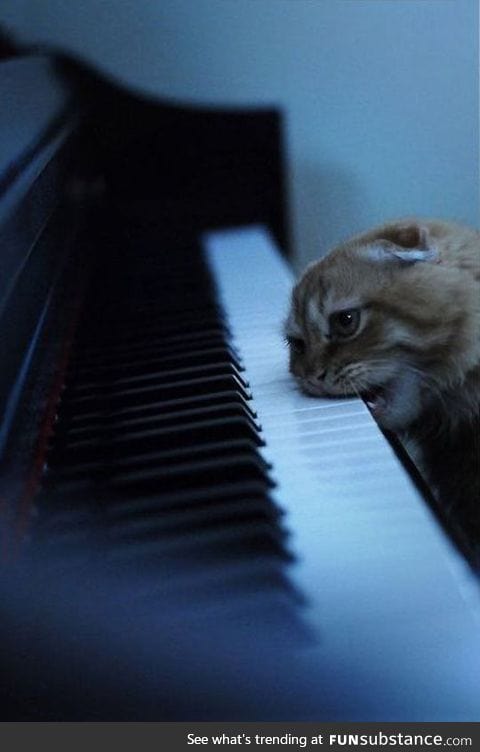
(381, 96)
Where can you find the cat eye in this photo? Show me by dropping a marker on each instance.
(296, 344)
(344, 323)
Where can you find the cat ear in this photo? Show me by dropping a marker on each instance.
(406, 243)
(408, 236)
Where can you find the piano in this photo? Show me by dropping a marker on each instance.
(185, 536)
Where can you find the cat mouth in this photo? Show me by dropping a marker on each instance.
(395, 403)
(377, 398)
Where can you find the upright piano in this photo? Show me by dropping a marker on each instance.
(185, 536)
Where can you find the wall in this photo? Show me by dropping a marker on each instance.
(380, 96)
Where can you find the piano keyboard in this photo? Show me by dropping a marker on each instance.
(154, 465)
(186, 465)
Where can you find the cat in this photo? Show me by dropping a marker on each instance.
(393, 316)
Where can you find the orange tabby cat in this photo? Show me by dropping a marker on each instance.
(393, 315)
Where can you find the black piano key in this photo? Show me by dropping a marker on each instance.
(53, 502)
(171, 390)
(111, 356)
(116, 425)
(158, 523)
(218, 529)
(194, 474)
(88, 351)
(214, 548)
(161, 524)
(160, 366)
(189, 434)
(152, 380)
(183, 500)
(101, 468)
(219, 532)
(162, 355)
(230, 586)
(105, 415)
(174, 516)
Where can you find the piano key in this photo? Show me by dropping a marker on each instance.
(182, 500)
(52, 505)
(174, 526)
(217, 546)
(160, 479)
(219, 368)
(110, 357)
(116, 424)
(188, 434)
(193, 336)
(207, 506)
(172, 390)
(103, 468)
(80, 418)
(131, 372)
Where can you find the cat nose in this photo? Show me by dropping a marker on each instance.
(321, 375)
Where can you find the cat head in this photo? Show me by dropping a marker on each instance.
(381, 317)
